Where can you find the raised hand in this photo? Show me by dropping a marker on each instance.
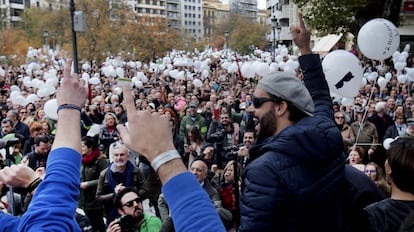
(301, 36)
(148, 134)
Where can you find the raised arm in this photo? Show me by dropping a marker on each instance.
(191, 209)
(54, 203)
(314, 77)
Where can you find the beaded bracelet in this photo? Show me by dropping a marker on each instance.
(32, 186)
(68, 106)
(164, 158)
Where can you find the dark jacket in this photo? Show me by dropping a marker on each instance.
(104, 193)
(295, 179)
(361, 192)
(381, 123)
(87, 197)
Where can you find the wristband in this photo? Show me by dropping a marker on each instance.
(164, 158)
(68, 106)
(32, 186)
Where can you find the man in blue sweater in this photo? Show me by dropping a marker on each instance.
(54, 202)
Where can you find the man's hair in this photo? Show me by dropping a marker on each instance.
(250, 131)
(121, 193)
(41, 139)
(14, 114)
(401, 160)
(7, 120)
(295, 114)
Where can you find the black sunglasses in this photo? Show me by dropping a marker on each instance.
(259, 101)
(131, 202)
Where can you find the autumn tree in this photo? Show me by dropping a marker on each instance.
(14, 45)
(243, 32)
(340, 16)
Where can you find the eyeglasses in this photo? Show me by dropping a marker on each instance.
(23, 112)
(259, 101)
(370, 171)
(339, 117)
(130, 203)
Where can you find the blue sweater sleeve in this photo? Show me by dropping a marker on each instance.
(191, 208)
(54, 203)
(8, 222)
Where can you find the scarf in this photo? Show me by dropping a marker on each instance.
(113, 181)
(89, 158)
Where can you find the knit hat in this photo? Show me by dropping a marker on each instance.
(289, 88)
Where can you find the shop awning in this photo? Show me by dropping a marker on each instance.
(326, 43)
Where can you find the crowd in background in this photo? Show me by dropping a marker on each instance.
(213, 126)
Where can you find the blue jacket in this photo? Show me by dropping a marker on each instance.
(294, 180)
(54, 203)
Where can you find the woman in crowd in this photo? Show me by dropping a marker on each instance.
(375, 173)
(108, 133)
(93, 162)
(194, 144)
(346, 131)
(399, 127)
(355, 158)
(389, 214)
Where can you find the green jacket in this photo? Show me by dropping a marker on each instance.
(187, 123)
(150, 224)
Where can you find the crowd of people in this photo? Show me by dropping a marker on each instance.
(270, 152)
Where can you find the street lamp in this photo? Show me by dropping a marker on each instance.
(274, 26)
(279, 30)
(74, 41)
(226, 35)
(45, 37)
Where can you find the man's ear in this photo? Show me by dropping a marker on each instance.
(121, 212)
(281, 108)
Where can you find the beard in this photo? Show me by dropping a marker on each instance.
(267, 125)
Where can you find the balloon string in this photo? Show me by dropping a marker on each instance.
(362, 123)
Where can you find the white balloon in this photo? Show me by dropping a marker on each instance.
(120, 72)
(409, 71)
(387, 143)
(86, 67)
(94, 81)
(364, 82)
(197, 83)
(20, 100)
(347, 101)
(118, 90)
(372, 77)
(262, 69)
(402, 78)
(32, 98)
(42, 92)
(51, 90)
(50, 109)
(138, 84)
(138, 64)
(388, 76)
(400, 65)
(206, 73)
(173, 73)
(343, 79)
(284, 51)
(86, 76)
(51, 82)
(378, 39)
(14, 88)
(382, 83)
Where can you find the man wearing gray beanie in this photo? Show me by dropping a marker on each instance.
(294, 179)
